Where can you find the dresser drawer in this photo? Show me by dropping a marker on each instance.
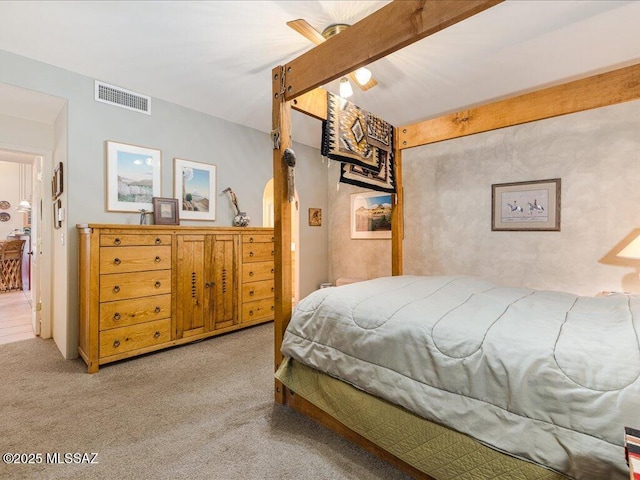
(257, 252)
(259, 238)
(258, 310)
(134, 259)
(257, 290)
(126, 240)
(122, 313)
(256, 271)
(126, 339)
(120, 286)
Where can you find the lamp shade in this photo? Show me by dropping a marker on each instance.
(345, 88)
(363, 75)
(23, 206)
(632, 250)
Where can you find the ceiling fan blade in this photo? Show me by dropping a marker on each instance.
(306, 30)
(370, 84)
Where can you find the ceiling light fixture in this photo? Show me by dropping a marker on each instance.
(24, 205)
(345, 88)
(363, 75)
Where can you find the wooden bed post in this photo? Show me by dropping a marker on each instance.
(281, 137)
(397, 215)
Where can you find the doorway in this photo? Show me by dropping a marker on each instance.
(21, 311)
(268, 221)
(35, 124)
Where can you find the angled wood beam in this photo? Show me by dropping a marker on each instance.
(385, 31)
(617, 86)
(281, 135)
(313, 103)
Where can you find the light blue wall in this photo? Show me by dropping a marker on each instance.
(243, 157)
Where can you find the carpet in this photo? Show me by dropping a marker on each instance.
(199, 411)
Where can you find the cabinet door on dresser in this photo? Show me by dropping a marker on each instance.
(206, 283)
(224, 280)
(191, 304)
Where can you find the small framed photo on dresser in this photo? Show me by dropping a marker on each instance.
(165, 211)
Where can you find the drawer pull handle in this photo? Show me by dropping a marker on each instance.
(251, 254)
(272, 270)
(251, 274)
(157, 259)
(116, 241)
(116, 344)
(251, 292)
(117, 316)
(156, 335)
(272, 308)
(157, 310)
(207, 285)
(158, 241)
(273, 239)
(273, 252)
(250, 239)
(157, 284)
(117, 261)
(116, 289)
(272, 289)
(250, 312)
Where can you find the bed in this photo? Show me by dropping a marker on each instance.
(547, 377)
(444, 445)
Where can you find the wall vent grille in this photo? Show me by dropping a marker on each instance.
(120, 97)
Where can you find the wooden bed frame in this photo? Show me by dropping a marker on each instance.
(297, 85)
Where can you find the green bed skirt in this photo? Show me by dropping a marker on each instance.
(438, 451)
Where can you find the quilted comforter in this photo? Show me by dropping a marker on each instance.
(546, 376)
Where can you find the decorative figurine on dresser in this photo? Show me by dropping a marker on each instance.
(149, 287)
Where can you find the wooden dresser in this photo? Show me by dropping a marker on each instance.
(145, 288)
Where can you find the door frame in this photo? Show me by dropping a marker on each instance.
(41, 242)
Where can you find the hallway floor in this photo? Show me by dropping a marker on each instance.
(15, 317)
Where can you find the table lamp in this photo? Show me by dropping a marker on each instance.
(632, 250)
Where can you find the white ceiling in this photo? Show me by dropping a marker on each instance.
(217, 56)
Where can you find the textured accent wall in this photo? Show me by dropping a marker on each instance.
(363, 259)
(597, 156)
(448, 206)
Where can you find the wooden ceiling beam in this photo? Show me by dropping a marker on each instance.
(375, 37)
(617, 86)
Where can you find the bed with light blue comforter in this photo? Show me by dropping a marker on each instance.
(546, 376)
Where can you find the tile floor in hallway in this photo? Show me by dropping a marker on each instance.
(15, 317)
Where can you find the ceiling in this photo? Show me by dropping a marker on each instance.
(216, 56)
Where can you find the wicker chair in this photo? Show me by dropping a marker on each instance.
(11, 265)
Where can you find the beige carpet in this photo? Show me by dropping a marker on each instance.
(200, 411)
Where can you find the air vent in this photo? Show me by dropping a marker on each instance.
(120, 97)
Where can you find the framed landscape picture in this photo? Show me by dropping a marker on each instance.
(526, 206)
(195, 187)
(133, 177)
(371, 215)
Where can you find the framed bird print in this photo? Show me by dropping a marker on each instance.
(526, 206)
